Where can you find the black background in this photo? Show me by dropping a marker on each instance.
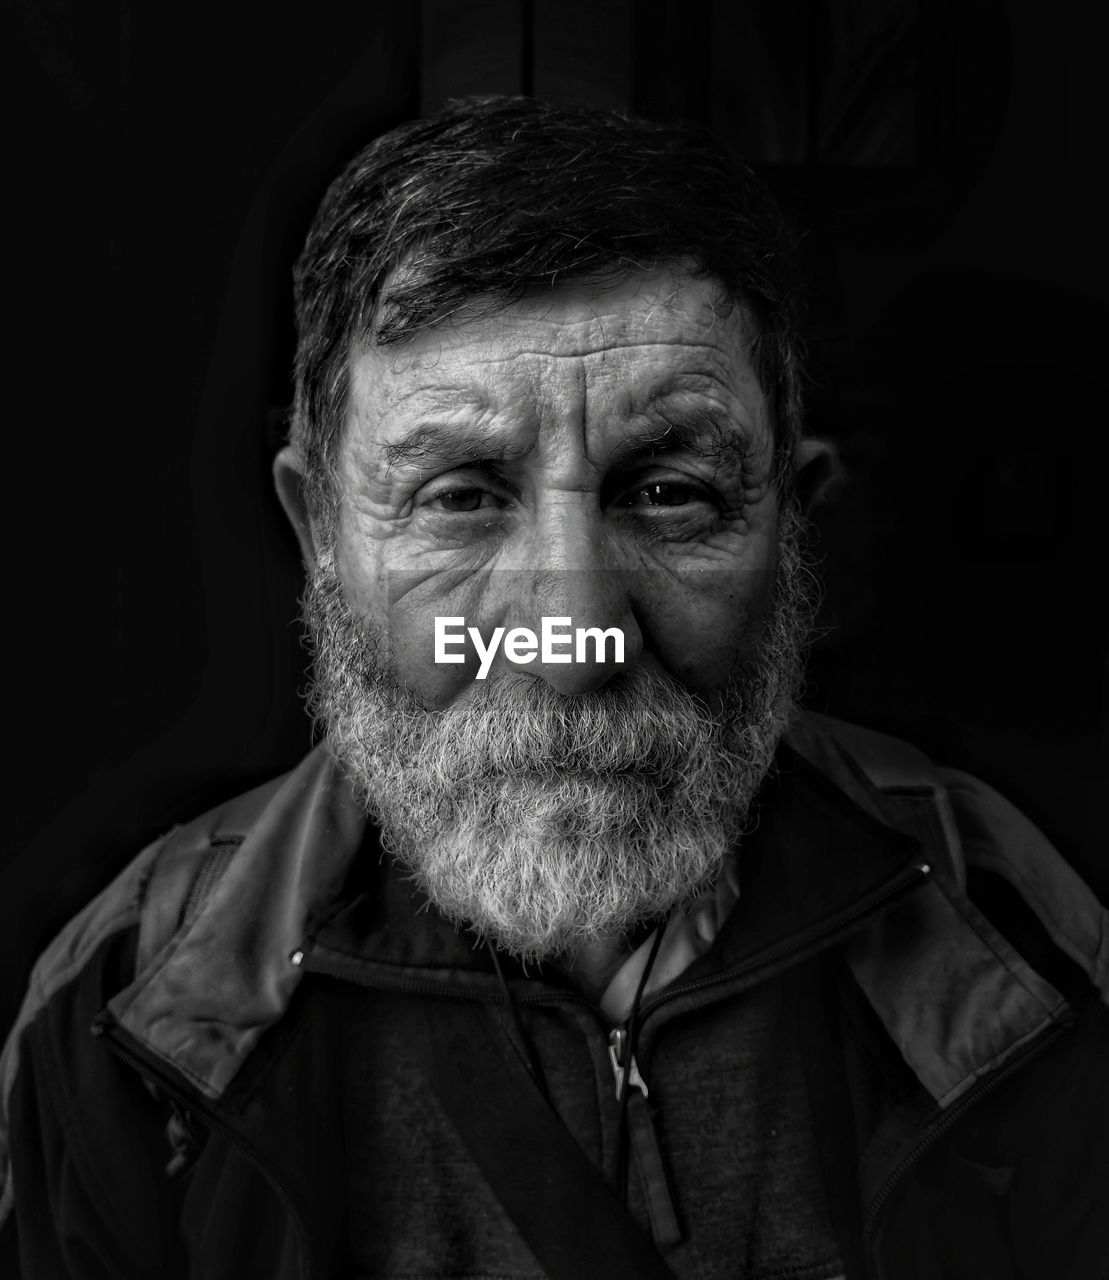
(943, 163)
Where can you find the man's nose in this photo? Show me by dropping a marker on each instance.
(572, 579)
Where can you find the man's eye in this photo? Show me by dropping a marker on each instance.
(463, 500)
(661, 494)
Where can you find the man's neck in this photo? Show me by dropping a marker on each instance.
(592, 964)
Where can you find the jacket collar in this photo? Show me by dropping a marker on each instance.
(953, 996)
(811, 857)
(214, 988)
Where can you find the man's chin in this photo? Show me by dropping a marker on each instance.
(539, 917)
(545, 864)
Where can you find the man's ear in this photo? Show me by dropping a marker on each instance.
(288, 478)
(815, 467)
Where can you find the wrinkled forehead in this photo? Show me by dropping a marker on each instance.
(639, 330)
(659, 356)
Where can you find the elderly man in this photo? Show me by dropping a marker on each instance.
(574, 949)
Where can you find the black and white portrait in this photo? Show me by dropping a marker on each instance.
(558, 687)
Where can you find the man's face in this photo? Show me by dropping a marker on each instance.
(532, 464)
(601, 455)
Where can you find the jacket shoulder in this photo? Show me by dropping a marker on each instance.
(964, 825)
(155, 894)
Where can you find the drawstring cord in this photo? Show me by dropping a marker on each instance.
(521, 1040)
(629, 1058)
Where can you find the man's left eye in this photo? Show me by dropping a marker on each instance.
(661, 494)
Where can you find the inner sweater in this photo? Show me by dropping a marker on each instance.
(729, 1107)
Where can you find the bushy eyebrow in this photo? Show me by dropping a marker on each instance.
(703, 432)
(438, 444)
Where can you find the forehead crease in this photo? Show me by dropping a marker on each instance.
(443, 397)
(702, 366)
(609, 346)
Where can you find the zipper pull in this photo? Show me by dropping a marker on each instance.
(617, 1043)
(184, 1144)
(666, 1229)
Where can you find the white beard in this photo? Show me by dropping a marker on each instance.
(547, 822)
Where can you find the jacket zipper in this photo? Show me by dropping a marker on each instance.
(942, 1125)
(617, 1041)
(351, 970)
(107, 1030)
(354, 971)
(658, 1195)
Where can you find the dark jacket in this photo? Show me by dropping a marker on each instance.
(201, 1044)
